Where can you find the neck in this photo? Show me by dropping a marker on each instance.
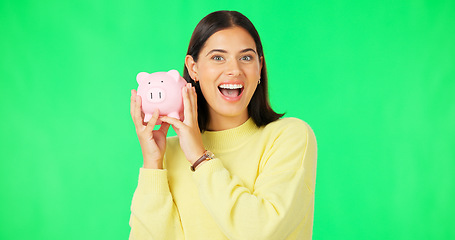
(220, 123)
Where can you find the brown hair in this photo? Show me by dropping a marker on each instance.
(259, 108)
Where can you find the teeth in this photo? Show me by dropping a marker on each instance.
(231, 86)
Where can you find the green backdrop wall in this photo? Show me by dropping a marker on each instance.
(374, 79)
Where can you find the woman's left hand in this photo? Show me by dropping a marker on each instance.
(188, 131)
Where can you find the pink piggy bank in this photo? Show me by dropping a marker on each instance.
(162, 90)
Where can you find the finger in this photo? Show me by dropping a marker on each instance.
(134, 106)
(192, 112)
(164, 128)
(191, 93)
(132, 103)
(174, 122)
(137, 112)
(187, 106)
(152, 121)
(194, 103)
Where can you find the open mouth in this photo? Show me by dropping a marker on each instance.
(231, 90)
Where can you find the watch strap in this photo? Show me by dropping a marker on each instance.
(206, 156)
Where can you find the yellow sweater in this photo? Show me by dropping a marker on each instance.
(259, 186)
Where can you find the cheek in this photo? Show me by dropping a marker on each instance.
(254, 68)
(253, 89)
(207, 89)
(208, 77)
(204, 71)
(254, 73)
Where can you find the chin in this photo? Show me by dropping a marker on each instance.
(230, 111)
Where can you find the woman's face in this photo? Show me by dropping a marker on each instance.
(228, 70)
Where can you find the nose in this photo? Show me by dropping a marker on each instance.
(233, 68)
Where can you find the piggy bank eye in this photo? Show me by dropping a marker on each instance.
(149, 82)
(161, 81)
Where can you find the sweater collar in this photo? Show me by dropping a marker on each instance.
(220, 141)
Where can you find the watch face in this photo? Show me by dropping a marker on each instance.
(210, 155)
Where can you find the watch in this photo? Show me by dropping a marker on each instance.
(205, 157)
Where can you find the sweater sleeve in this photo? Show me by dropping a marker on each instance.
(283, 196)
(153, 212)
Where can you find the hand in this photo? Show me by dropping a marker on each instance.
(153, 142)
(188, 131)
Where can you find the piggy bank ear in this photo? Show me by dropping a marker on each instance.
(174, 74)
(141, 77)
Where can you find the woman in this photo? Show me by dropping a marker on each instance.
(235, 170)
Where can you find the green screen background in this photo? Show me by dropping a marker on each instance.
(374, 79)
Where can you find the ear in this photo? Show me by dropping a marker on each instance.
(174, 74)
(141, 77)
(261, 63)
(191, 66)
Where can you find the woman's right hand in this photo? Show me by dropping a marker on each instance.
(153, 142)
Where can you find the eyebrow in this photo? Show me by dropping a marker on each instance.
(224, 51)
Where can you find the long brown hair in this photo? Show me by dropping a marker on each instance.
(259, 108)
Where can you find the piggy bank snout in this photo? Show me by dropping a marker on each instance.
(156, 95)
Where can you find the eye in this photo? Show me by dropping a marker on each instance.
(149, 82)
(217, 58)
(247, 58)
(161, 81)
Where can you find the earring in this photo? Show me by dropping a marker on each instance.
(259, 82)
